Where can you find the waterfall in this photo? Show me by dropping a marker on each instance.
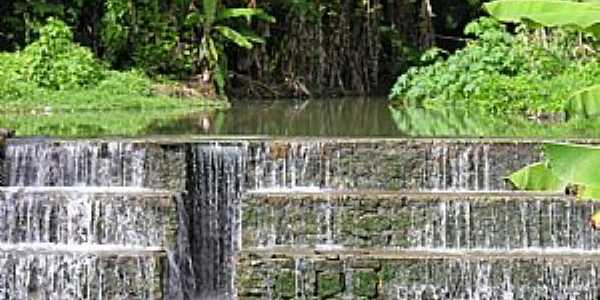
(282, 219)
(79, 163)
(208, 223)
(77, 216)
(60, 276)
(510, 278)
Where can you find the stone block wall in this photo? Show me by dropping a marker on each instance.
(399, 220)
(390, 277)
(57, 276)
(101, 216)
(3, 174)
(390, 164)
(340, 233)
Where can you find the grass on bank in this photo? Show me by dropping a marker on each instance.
(55, 74)
(110, 123)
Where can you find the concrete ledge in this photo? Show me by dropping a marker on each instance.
(410, 164)
(423, 254)
(81, 276)
(80, 215)
(396, 220)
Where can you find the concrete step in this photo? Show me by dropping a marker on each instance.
(400, 220)
(418, 275)
(88, 215)
(408, 164)
(44, 271)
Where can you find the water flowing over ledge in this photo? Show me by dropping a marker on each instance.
(284, 218)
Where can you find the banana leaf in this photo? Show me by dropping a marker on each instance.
(584, 103)
(537, 177)
(575, 164)
(550, 13)
(247, 13)
(210, 12)
(234, 36)
(568, 167)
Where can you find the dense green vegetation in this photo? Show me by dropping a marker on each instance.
(421, 122)
(54, 73)
(503, 72)
(271, 48)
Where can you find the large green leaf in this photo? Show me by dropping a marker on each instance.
(550, 13)
(568, 167)
(247, 13)
(536, 177)
(251, 36)
(595, 220)
(210, 12)
(584, 103)
(575, 164)
(234, 36)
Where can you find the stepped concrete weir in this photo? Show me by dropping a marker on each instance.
(417, 220)
(273, 218)
(92, 215)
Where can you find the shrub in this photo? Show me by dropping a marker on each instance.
(54, 61)
(499, 72)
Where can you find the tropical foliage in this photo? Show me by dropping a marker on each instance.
(54, 73)
(500, 72)
(567, 167)
(530, 71)
(323, 47)
(214, 19)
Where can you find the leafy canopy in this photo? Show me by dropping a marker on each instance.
(214, 19)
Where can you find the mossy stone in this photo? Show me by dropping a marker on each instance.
(329, 284)
(374, 223)
(285, 284)
(364, 283)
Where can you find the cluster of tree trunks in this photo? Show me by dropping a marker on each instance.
(316, 47)
(341, 48)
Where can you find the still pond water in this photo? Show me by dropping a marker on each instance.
(351, 117)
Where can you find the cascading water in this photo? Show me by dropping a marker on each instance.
(76, 224)
(288, 166)
(418, 221)
(504, 278)
(208, 223)
(60, 276)
(77, 216)
(83, 224)
(80, 163)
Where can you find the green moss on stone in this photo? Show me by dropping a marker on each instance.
(374, 223)
(285, 284)
(329, 284)
(310, 222)
(364, 283)
(387, 274)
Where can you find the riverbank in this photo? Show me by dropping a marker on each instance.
(117, 91)
(54, 74)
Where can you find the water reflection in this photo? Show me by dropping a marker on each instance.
(351, 117)
(330, 117)
(418, 122)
